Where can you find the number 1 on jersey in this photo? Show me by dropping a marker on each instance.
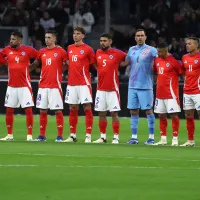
(190, 68)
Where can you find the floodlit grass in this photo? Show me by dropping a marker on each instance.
(78, 171)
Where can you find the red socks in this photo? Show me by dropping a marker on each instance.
(9, 119)
(102, 126)
(88, 120)
(190, 127)
(60, 123)
(73, 120)
(175, 126)
(163, 126)
(43, 123)
(116, 126)
(29, 120)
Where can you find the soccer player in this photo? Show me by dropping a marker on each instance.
(50, 92)
(79, 90)
(140, 91)
(167, 69)
(107, 96)
(191, 96)
(19, 91)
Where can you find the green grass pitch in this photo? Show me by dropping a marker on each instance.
(78, 171)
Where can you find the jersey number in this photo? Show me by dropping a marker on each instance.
(48, 61)
(161, 70)
(104, 63)
(190, 68)
(17, 59)
(74, 58)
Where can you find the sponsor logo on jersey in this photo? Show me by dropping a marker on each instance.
(11, 52)
(81, 51)
(70, 51)
(23, 53)
(99, 57)
(157, 64)
(185, 61)
(167, 64)
(44, 54)
(55, 54)
(111, 57)
(196, 61)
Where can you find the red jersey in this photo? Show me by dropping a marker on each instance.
(80, 58)
(18, 64)
(52, 62)
(168, 71)
(191, 65)
(2, 60)
(107, 67)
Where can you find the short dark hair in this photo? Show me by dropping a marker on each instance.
(80, 29)
(51, 31)
(162, 45)
(194, 38)
(140, 29)
(17, 34)
(106, 35)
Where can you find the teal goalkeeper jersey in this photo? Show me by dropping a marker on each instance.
(141, 66)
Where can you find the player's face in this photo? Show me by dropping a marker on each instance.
(14, 41)
(140, 38)
(78, 36)
(105, 43)
(162, 52)
(191, 45)
(50, 39)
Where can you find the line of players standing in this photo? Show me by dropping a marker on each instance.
(79, 58)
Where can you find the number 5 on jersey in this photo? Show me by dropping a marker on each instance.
(104, 62)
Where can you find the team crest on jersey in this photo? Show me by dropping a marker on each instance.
(145, 52)
(167, 64)
(111, 57)
(23, 53)
(196, 61)
(81, 51)
(55, 54)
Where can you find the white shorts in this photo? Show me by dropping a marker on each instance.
(191, 101)
(78, 94)
(167, 106)
(49, 98)
(19, 96)
(107, 101)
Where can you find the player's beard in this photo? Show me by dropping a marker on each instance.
(14, 45)
(105, 48)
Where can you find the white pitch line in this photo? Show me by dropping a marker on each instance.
(102, 156)
(95, 166)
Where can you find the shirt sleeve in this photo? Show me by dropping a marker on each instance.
(92, 57)
(121, 55)
(64, 55)
(155, 68)
(39, 55)
(2, 59)
(154, 52)
(33, 53)
(178, 66)
(128, 56)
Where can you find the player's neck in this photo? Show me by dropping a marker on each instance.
(51, 46)
(79, 43)
(192, 53)
(166, 55)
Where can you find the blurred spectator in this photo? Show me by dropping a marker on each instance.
(46, 22)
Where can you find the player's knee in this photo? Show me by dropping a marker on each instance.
(114, 114)
(28, 110)
(73, 107)
(149, 112)
(9, 110)
(174, 115)
(87, 106)
(162, 116)
(134, 112)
